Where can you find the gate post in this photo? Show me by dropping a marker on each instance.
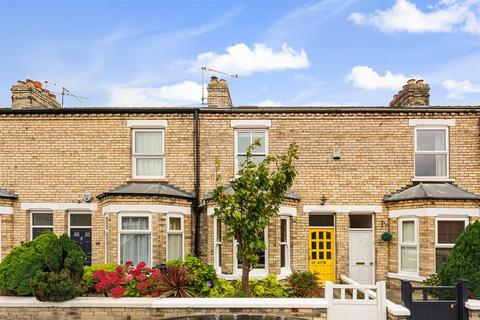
(407, 295)
(329, 298)
(381, 300)
(461, 293)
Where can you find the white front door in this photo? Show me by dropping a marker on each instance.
(361, 256)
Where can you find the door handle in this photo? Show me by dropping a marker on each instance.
(360, 263)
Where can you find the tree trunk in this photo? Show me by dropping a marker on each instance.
(245, 276)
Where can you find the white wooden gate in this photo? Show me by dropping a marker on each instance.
(358, 302)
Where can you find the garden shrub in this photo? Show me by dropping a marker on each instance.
(174, 282)
(46, 253)
(303, 284)
(54, 286)
(203, 274)
(88, 283)
(223, 289)
(463, 262)
(268, 287)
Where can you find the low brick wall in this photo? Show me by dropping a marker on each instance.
(148, 308)
(473, 307)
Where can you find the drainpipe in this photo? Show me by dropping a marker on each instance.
(196, 203)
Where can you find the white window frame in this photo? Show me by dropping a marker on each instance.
(216, 244)
(446, 152)
(147, 155)
(466, 221)
(42, 226)
(236, 164)
(255, 272)
(287, 269)
(168, 232)
(121, 231)
(106, 235)
(410, 245)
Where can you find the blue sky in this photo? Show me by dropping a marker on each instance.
(330, 52)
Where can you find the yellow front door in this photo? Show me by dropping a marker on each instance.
(322, 253)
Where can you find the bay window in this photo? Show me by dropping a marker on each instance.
(260, 268)
(447, 232)
(148, 156)
(40, 222)
(243, 139)
(408, 245)
(431, 152)
(174, 237)
(217, 241)
(285, 245)
(135, 234)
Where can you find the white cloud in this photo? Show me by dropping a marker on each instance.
(458, 89)
(366, 78)
(240, 59)
(404, 16)
(183, 93)
(270, 103)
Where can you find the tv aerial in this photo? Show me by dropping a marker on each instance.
(210, 70)
(66, 92)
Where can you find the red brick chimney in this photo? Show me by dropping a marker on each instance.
(218, 94)
(413, 94)
(29, 94)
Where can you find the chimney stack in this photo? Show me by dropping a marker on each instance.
(219, 94)
(29, 94)
(414, 93)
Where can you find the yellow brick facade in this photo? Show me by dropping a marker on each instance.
(57, 156)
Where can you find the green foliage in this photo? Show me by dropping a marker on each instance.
(268, 287)
(463, 262)
(303, 284)
(223, 289)
(27, 269)
(434, 280)
(258, 193)
(203, 275)
(87, 278)
(54, 286)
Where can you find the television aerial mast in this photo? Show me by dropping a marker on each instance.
(210, 70)
(66, 92)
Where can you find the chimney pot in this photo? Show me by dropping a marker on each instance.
(31, 95)
(414, 93)
(218, 94)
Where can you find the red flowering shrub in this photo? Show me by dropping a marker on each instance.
(130, 281)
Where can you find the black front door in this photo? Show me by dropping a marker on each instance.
(83, 237)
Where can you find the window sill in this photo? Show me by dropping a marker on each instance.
(432, 179)
(406, 276)
(147, 180)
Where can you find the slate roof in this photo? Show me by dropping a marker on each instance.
(229, 190)
(445, 190)
(148, 189)
(5, 194)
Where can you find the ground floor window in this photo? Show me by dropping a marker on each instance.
(217, 240)
(135, 233)
(261, 265)
(285, 244)
(174, 237)
(447, 232)
(106, 238)
(40, 222)
(408, 245)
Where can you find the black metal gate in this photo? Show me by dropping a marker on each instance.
(436, 302)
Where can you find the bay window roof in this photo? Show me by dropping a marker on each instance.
(445, 191)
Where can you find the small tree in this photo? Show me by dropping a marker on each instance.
(464, 261)
(259, 190)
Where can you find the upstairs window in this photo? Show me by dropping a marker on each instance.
(431, 152)
(243, 139)
(148, 153)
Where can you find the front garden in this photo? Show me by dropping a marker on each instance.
(51, 269)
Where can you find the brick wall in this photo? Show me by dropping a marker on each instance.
(57, 157)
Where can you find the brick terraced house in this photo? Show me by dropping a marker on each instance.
(135, 183)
